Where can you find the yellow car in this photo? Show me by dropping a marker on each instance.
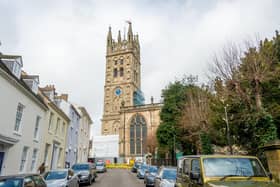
(222, 171)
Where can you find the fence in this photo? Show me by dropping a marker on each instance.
(165, 162)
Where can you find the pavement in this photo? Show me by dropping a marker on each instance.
(117, 178)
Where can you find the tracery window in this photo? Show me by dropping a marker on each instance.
(138, 135)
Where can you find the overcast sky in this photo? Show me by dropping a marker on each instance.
(64, 41)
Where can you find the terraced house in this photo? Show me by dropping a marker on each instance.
(22, 115)
(71, 151)
(83, 135)
(55, 136)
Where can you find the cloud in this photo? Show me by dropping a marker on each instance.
(64, 41)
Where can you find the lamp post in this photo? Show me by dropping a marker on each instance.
(228, 130)
(174, 147)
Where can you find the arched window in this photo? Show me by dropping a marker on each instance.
(121, 71)
(138, 135)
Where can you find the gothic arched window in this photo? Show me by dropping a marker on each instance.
(138, 135)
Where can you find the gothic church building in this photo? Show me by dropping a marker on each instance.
(125, 113)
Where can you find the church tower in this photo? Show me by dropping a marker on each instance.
(122, 79)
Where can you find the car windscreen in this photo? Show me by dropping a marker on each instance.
(11, 182)
(244, 167)
(153, 169)
(169, 174)
(55, 175)
(100, 164)
(80, 167)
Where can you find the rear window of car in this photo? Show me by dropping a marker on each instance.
(100, 164)
(11, 183)
(80, 167)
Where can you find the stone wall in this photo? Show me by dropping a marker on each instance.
(272, 153)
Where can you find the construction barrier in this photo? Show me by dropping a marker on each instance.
(119, 166)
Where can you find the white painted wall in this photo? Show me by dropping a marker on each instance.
(10, 96)
(106, 146)
(83, 138)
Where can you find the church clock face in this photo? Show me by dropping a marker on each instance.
(118, 91)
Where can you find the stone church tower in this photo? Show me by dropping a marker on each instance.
(125, 113)
(122, 82)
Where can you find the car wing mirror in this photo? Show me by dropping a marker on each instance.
(69, 177)
(196, 177)
(270, 176)
(158, 177)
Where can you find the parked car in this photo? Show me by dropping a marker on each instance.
(166, 177)
(141, 171)
(86, 172)
(150, 175)
(135, 167)
(101, 167)
(61, 178)
(23, 180)
(222, 170)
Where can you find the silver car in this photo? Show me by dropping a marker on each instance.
(61, 178)
(166, 177)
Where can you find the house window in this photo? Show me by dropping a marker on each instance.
(34, 158)
(115, 72)
(138, 135)
(121, 71)
(36, 130)
(63, 128)
(46, 152)
(20, 108)
(50, 121)
(57, 125)
(23, 159)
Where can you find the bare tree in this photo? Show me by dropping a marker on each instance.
(242, 73)
(151, 143)
(196, 114)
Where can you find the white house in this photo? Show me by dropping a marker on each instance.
(22, 114)
(84, 135)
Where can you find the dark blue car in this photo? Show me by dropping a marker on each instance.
(141, 171)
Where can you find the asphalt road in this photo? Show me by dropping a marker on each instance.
(117, 178)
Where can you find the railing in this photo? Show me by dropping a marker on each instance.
(164, 162)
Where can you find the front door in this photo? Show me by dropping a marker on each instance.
(1, 160)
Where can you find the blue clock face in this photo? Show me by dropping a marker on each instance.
(118, 92)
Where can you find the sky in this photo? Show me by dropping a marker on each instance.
(64, 42)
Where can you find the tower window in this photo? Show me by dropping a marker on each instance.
(121, 71)
(115, 72)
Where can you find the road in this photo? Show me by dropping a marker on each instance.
(118, 178)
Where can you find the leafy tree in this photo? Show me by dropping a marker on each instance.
(174, 99)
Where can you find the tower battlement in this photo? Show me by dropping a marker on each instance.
(129, 43)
